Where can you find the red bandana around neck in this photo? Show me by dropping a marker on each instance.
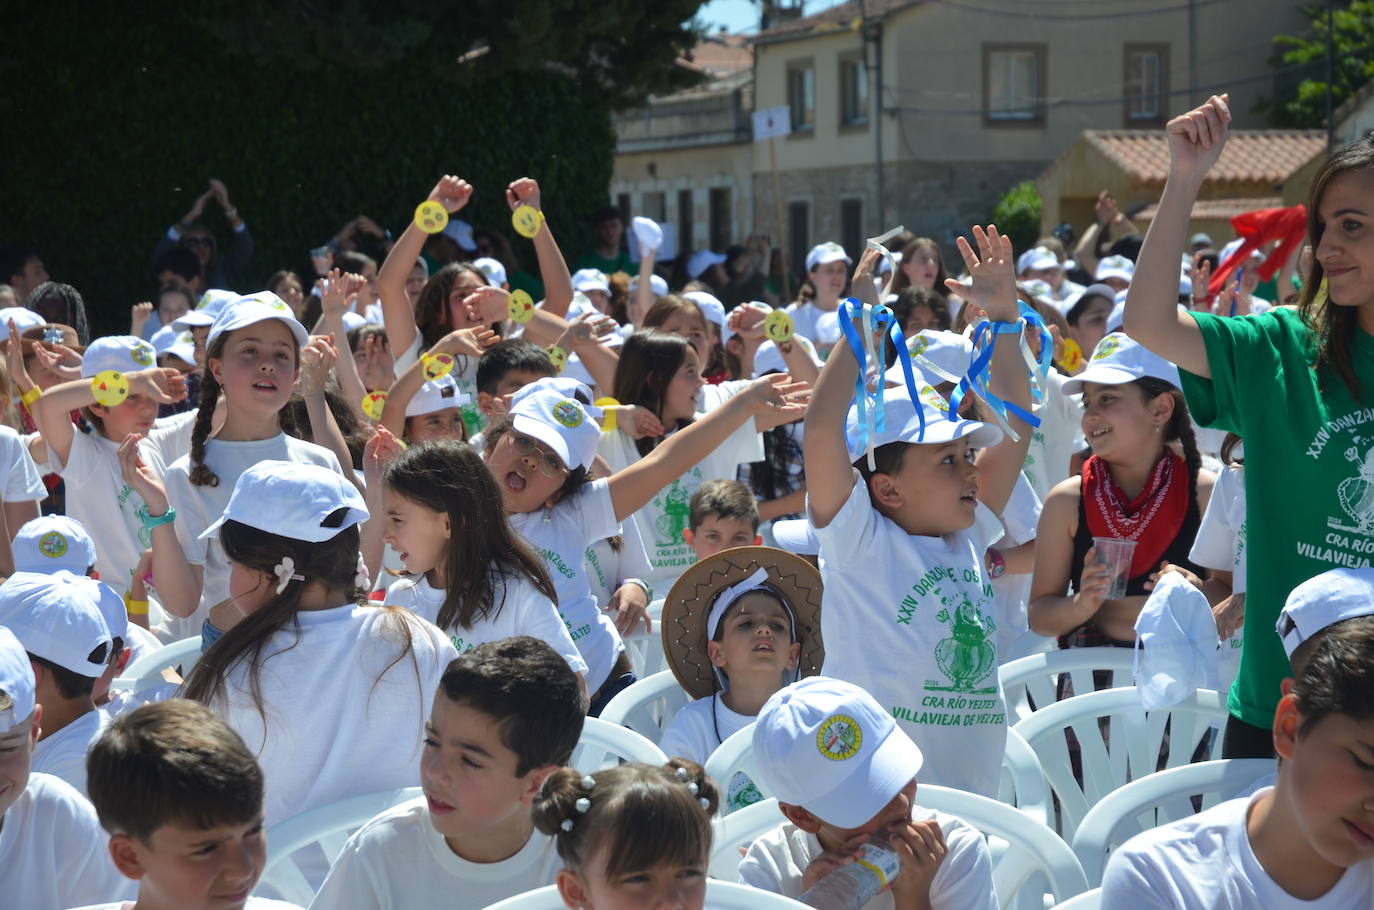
(1152, 519)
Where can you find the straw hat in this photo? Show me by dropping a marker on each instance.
(689, 603)
(48, 336)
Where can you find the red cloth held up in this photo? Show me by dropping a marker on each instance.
(1258, 228)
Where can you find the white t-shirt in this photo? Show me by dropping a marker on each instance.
(913, 621)
(1019, 520)
(397, 860)
(22, 482)
(254, 903)
(804, 319)
(106, 506)
(53, 852)
(692, 733)
(1220, 544)
(63, 754)
(1206, 861)
(336, 730)
(521, 610)
(561, 535)
(607, 567)
(199, 507)
(777, 860)
(1059, 435)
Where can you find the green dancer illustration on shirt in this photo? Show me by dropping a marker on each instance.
(967, 657)
(676, 515)
(1356, 494)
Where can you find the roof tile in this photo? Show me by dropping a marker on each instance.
(1250, 156)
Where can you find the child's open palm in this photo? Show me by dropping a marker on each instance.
(378, 453)
(467, 342)
(992, 274)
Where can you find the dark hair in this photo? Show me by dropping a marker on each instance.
(728, 499)
(431, 309)
(484, 553)
(1337, 676)
(648, 362)
(619, 301)
(645, 815)
(607, 213)
(529, 690)
(1080, 306)
(888, 458)
(13, 258)
(295, 421)
(284, 275)
(923, 243)
(173, 287)
(358, 336)
(663, 309)
(173, 761)
(1228, 449)
(180, 261)
(910, 298)
(55, 299)
(353, 261)
(68, 683)
(1180, 426)
(501, 249)
(577, 478)
(511, 354)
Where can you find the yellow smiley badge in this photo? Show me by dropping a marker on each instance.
(1072, 359)
(109, 388)
(431, 217)
(520, 307)
(558, 356)
(437, 366)
(373, 402)
(778, 327)
(527, 221)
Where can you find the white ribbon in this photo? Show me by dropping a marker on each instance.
(286, 573)
(727, 598)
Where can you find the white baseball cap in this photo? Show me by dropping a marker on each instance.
(1176, 644)
(647, 232)
(1037, 258)
(768, 359)
(214, 300)
(292, 500)
(460, 232)
(591, 280)
(121, 353)
(563, 385)
(949, 351)
(170, 340)
(564, 424)
(1119, 359)
(22, 317)
(702, 260)
(1230, 249)
(50, 543)
(1322, 600)
(492, 268)
(1115, 267)
(57, 617)
(656, 284)
(823, 253)
(16, 681)
(112, 608)
(251, 309)
(901, 424)
(829, 747)
(436, 395)
(711, 307)
(194, 319)
(352, 320)
(1200, 238)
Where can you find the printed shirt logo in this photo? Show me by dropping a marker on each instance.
(676, 515)
(52, 545)
(839, 737)
(1106, 348)
(1356, 494)
(934, 399)
(567, 413)
(142, 355)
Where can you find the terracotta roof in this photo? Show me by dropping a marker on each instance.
(1250, 156)
(722, 55)
(1218, 209)
(842, 15)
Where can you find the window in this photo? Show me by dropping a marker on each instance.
(1147, 88)
(801, 96)
(1014, 84)
(798, 235)
(718, 208)
(686, 219)
(852, 227)
(654, 205)
(853, 90)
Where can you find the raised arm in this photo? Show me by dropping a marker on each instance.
(1152, 315)
(461, 342)
(553, 268)
(334, 302)
(317, 359)
(52, 412)
(178, 582)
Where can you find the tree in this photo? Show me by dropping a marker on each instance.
(1301, 60)
(1018, 214)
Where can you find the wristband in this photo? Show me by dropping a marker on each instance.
(997, 564)
(643, 586)
(28, 398)
(607, 413)
(558, 356)
(151, 521)
(135, 607)
(1008, 328)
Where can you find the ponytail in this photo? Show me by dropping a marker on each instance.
(201, 474)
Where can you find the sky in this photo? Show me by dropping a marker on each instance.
(735, 15)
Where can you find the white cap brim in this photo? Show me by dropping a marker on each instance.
(870, 785)
(537, 429)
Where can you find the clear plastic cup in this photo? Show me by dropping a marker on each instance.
(1116, 554)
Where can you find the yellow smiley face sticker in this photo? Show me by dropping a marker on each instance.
(1072, 359)
(520, 307)
(527, 221)
(109, 388)
(778, 327)
(52, 545)
(431, 217)
(558, 356)
(839, 737)
(373, 402)
(437, 366)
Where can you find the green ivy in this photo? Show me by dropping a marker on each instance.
(1018, 215)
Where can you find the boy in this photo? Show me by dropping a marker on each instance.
(844, 773)
(51, 849)
(58, 620)
(181, 798)
(505, 368)
(721, 514)
(507, 714)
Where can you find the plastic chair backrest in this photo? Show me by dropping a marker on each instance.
(648, 706)
(719, 896)
(739, 829)
(731, 757)
(1023, 780)
(329, 827)
(146, 672)
(1129, 748)
(605, 745)
(1088, 900)
(1037, 676)
(1031, 848)
(1158, 799)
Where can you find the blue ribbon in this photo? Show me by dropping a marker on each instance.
(979, 374)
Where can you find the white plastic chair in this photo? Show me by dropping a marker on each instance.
(1037, 677)
(1088, 900)
(1158, 799)
(328, 827)
(1031, 851)
(146, 672)
(1023, 780)
(1130, 750)
(731, 757)
(719, 896)
(739, 829)
(648, 706)
(605, 745)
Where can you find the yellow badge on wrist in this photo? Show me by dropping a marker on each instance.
(558, 356)
(1072, 359)
(778, 327)
(436, 366)
(373, 402)
(431, 217)
(109, 388)
(520, 307)
(527, 221)
(607, 415)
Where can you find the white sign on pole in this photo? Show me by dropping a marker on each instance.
(771, 122)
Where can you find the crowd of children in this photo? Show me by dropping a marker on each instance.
(407, 527)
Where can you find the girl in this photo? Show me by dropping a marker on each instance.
(683, 316)
(419, 410)
(922, 266)
(636, 835)
(1133, 487)
(467, 571)
(1088, 317)
(827, 269)
(918, 309)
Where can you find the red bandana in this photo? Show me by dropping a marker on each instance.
(1152, 519)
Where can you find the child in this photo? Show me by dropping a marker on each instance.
(844, 775)
(636, 835)
(826, 270)
(1220, 546)
(505, 716)
(467, 571)
(1309, 840)
(721, 514)
(181, 798)
(738, 627)
(20, 492)
(52, 852)
(433, 409)
(909, 612)
(505, 368)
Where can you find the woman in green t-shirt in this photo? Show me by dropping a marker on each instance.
(1293, 383)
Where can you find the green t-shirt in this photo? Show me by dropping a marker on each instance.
(1309, 473)
(594, 260)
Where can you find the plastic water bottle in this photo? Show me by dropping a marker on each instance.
(851, 886)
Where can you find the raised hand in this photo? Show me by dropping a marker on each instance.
(378, 453)
(992, 274)
(487, 304)
(524, 191)
(138, 317)
(467, 342)
(1197, 137)
(143, 478)
(451, 192)
(221, 193)
(162, 384)
(777, 396)
(317, 359)
(61, 361)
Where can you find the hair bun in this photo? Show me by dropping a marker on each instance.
(693, 776)
(557, 800)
